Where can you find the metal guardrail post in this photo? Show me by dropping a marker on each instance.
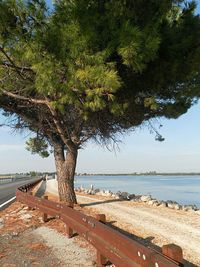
(30, 193)
(101, 218)
(174, 252)
(101, 260)
(69, 230)
(45, 216)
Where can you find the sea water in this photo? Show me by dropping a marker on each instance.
(183, 189)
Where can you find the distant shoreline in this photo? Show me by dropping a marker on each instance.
(4, 176)
(138, 174)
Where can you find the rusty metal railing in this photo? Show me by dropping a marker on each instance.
(28, 186)
(110, 244)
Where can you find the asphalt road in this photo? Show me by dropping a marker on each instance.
(8, 190)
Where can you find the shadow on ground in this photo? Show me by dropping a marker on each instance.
(101, 202)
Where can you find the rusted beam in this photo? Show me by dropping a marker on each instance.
(101, 218)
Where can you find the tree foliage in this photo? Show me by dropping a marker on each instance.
(37, 146)
(94, 68)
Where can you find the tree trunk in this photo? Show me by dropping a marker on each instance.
(65, 167)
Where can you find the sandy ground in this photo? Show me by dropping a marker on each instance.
(154, 226)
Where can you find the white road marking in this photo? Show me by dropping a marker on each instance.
(8, 201)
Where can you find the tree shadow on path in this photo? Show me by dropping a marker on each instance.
(102, 202)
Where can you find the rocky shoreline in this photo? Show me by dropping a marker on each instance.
(147, 199)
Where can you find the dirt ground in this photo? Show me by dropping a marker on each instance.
(26, 241)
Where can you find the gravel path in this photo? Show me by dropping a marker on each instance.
(26, 242)
(164, 225)
(64, 249)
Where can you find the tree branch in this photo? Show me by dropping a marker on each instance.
(87, 137)
(11, 61)
(32, 100)
(58, 125)
(5, 64)
(66, 141)
(13, 64)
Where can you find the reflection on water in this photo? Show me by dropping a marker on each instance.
(183, 189)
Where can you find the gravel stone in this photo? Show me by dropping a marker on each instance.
(125, 195)
(163, 204)
(152, 202)
(26, 217)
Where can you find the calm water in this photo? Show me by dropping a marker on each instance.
(183, 189)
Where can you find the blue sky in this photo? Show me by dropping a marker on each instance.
(138, 151)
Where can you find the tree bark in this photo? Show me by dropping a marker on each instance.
(65, 167)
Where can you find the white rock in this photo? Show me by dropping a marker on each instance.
(145, 198)
(152, 202)
(189, 208)
(173, 205)
(177, 207)
(14, 234)
(163, 204)
(26, 216)
(22, 212)
(131, 196)
(96, 190)
(124, 195)
(170, 205)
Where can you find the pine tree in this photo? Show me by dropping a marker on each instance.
(91, 69)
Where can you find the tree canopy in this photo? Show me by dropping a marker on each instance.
(94, 68)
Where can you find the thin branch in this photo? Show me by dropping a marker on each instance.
(65, 140)
(11, 61)
(87, 137)
(32, 100)
(58, 125)
(5, 64)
